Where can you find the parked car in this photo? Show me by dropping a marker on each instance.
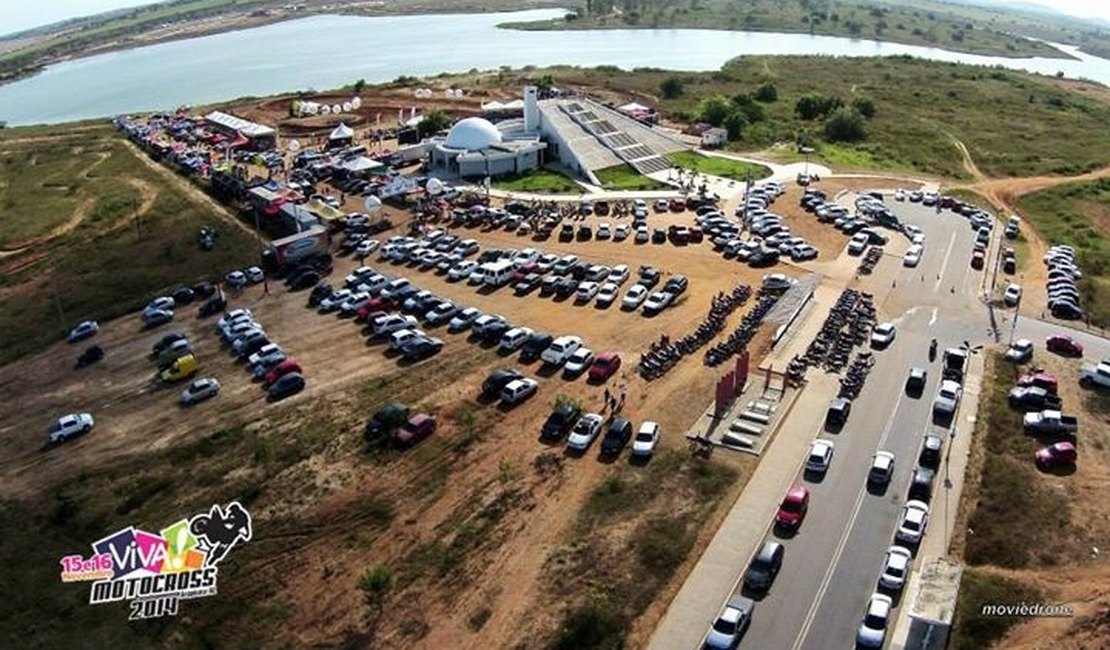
(792, 510)
(730, 624)
(764, 567)
(70, 426)
(90, 355)
(560, 350)
(285, 386)
(83, 330)
(155, 317)
(647, 438)
(1064, 345)
(896, 568)
(1050, 423)
(604, 366)
(518, 390)
(1012, 295)
(606, 294)
(421, 347)
(1052, 456)
(636, 295)
(616, 437)
(415, 429)
(1020, 351)
(912, 523)
(464, 319)
(578, 362)
(1034, 398)
(657, 302)
(560, 421)
(385, 421)
(820, 456)
(882, 335)
(584, 432)
(872, 629)
(199, 390)
(947, 400)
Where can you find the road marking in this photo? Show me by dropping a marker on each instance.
(944, 265)
(812, 613)
(934, 317)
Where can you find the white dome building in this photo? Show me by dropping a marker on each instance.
(475, 148)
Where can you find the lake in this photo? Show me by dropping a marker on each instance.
(322, 52)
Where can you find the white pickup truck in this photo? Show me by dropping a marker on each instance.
(1096, 375)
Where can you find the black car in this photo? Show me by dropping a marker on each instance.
(764, 567)
(165, 342)
(618, 435)
(1066, 311)
(566, 233)
(420, 347)
(763, 258)
(839, 410)
(930, 451)
(285, 386)
(91, 355)
(303, 280)
(566, 288)
(528, 284)
(183, 296)
(204, 289)
(676, 285)
(319, 292)
(548, 285)
(212, 306)
(492, 333)
(921, 485)
(387, 419)
(498, 379)
(649, 277)
(915, 383)
(659, 236)
(584, 233)
(253, 344)
(534, 347)
(560, 421)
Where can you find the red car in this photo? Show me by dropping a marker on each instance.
(418, 427)
(696, 235)
(282, 369)
(1040, 379)
(371, 310)
(677, 204)
(793, 508)
(1064, 345)
(1061, 453)
(605, 365)
(977, 260)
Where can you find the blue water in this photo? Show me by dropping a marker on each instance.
(322, 52)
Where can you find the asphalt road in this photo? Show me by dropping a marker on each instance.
(832, 564)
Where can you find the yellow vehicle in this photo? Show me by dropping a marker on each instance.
(185, 366)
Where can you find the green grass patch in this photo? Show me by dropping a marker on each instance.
(737, 170)
(540, 181)
(624, 177)
(1019, 519)
(1078, 214)
(971, 629)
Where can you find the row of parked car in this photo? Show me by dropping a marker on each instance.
(281, 376)
(1037, 395)
(770, 236)
(1063, 276)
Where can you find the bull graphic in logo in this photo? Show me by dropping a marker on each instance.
(220, 529)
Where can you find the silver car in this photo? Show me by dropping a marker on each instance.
(200, 390)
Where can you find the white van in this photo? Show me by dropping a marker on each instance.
(497, 274)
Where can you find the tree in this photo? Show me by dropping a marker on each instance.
(714, 109)
(753, 112)
(434, 121)
(767, 93)
(359, 85)
(546, 81)
(865, 106)
(734, 123)
(845, 125)
(671, 88)
(809, 107)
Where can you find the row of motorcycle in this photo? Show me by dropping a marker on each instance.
(743, 334)
(662, 355)
(848, 325)
(870, 259)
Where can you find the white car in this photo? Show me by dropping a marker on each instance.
(392, 288)
(820, 456)
(265, 354)
(584, 432)
(642, 235)
(657, 302)
(1020, 351)
(402, 336)
(621, 232)
(390, 323)
(912, 257)
(896, 568)
(882, 335)
(514, 338)
(232, 317)
(199, 390)
(464, 319)
(899, 195)
(83, 330)
(618, 274)
(518, 390)
(731, 624)
(254, 275)
(579, 362)
(882, 468)
(163, 303)
(948, 398)
(604, 231)
(334, 301)
(69, 426)
(872, 630)
(1012, 295)
(607, 294)
(858, 243)
(462, 270)
(366, 247)
(636, 295)
(560, 350)
(586, 291)
(911, 527)
(236, 279)
(643, 444)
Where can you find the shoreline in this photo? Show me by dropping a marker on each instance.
(233, 22)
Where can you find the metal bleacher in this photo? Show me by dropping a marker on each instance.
(632, 142)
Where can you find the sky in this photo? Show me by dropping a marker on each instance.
(25, 14)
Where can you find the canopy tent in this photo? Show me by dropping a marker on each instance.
(363, 165)
(342, 132)
(633, 107)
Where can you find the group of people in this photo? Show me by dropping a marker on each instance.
(614, 399)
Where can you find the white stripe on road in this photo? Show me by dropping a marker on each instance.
(812, 613)
(944, 265)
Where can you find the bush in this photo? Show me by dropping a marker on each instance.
(865, 106)
(971, 629)
(671, 88)
(734, 124)
(714, 110)
(767, 93)
(845, 125)
(595, 626)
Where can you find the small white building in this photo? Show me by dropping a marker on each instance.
(476, 148)
(714, 137)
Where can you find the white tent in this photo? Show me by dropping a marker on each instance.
(633, 107)
(342, 132)
(362, 164)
